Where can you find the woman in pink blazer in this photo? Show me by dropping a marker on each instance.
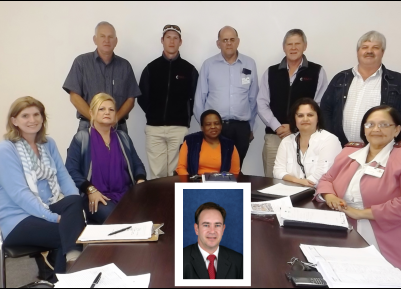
(364, 182)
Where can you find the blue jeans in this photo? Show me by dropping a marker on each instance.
(102, 213)
(84, 125)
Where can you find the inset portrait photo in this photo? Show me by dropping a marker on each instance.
(212, 234)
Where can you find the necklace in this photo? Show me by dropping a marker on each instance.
(298, 139)
(107, 145)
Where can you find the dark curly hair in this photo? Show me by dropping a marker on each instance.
(294, 109)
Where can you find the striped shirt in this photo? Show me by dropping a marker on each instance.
(362, 95)
(89, 75)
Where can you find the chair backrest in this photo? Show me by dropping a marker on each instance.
(2, 264)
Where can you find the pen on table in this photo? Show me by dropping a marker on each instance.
(96, 280)
(118, 231)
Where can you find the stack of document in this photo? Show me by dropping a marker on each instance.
(353, 268)
(270, 207)
(283, 190)
(139, 231)
(313, 218)
(218, 177)
(111, 277)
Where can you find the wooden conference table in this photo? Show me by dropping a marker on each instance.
(272, 246)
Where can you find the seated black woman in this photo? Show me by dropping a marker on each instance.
(207, 151)
(102, 161)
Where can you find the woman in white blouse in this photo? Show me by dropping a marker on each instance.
(307, 154)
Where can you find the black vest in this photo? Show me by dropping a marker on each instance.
(194, 144)
(283, 96)
(170, 92)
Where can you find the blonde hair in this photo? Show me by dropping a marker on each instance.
(97, 100)
(13, 133)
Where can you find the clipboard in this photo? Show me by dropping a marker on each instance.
(154, 238)
(298, 224)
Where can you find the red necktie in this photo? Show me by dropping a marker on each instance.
(210, 268)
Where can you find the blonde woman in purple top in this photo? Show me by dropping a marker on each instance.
(102, 161)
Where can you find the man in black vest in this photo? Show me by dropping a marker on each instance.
(168, 87)
(283, 84)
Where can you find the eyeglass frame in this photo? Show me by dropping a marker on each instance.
(228, 40)
(379, 125)
(294, 262)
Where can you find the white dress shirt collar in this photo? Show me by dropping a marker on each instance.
(381, 158)
(378, 72)
(206, 254)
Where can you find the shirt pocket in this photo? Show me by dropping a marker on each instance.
(394, 95)
(326, 166)
(290, 165)
(243, 81)
(309, 165)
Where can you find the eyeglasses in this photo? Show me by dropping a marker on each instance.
(298, 265)
(379, 125)
(226, 40)
(172, 27)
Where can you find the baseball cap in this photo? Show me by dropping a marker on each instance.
(171, 27)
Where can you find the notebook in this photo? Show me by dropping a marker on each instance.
(313, 218)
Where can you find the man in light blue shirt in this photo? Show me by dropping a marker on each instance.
(228, 83)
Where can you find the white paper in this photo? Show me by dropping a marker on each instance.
(335, 254)
(282, 190)
(325, 217)
(112, 277)
(270, 207)
(353, 268)
(137, 231)
(139, 281)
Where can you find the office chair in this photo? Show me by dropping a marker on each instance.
(14, 252)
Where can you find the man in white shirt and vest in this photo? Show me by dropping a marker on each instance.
(207, 259)
(281, 86)
(351, 93)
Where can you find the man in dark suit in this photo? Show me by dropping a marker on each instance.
(207, 259)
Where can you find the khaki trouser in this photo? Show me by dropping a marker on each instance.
(272, 142)
(162, 147)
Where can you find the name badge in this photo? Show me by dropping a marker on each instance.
(374, 172)
(246, 80)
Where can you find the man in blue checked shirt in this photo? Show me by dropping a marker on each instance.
(228, 83)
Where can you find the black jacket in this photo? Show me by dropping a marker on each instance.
(229, 264)
(333, 101)
(168, 89)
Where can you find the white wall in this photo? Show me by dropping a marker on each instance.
(39, 41)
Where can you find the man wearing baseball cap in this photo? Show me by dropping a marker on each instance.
(168, 86)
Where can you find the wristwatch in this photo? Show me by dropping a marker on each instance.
(91, 189)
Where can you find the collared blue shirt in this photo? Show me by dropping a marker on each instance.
(231, 89)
